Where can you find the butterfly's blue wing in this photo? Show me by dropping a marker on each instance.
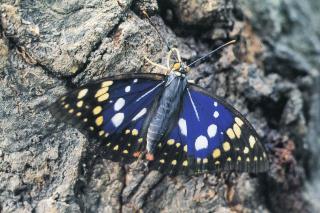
(114, 110)
(210, 135)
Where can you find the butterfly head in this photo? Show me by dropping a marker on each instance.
(180, 67)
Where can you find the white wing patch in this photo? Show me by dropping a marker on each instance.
(127, 89)
(201, 143)
(119, 104)
(117, 119)
(183, 126)
(140, 114)
(212, 130)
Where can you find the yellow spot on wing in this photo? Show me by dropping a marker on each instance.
(125, 151)
(97, 110)
(101, 132)
(106, 83)
(230, 133)
(205, 160)
(248, 159)
(134, 132)
(185, 148)
(80, 104)
(71, 111)
(226, 146)
(239, 158)
(101, 92)
(78, 114)
(217, 162)
(185, 163)
(116, 148)
(252, 141)
(178, 145)
(82, 93)
(140, 140)
(174, 162)
(246, 150)
(238, 121)
(229, 159)
(255, 158)
(170, 142)
(66, 106)
(198, 160)
(162, 161)
(127, 131)
(216, 153)
(103, 97)
(237, 130)
(99, 120)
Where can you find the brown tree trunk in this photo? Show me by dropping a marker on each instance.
(270, 75)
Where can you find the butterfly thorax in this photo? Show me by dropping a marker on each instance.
(168, 107)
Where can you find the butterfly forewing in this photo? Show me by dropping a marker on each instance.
(113, 110)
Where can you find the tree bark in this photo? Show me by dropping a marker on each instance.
(271, 76)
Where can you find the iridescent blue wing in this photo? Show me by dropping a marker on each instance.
(113, 110)
(210, 135)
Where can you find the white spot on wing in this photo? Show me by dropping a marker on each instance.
(127, 89)
(117, 119)
(212, 130)
(119, 104)
(140, 114)
(183, 126)
(215, 104)
(135, 80)
(216, 114)
(201, 143)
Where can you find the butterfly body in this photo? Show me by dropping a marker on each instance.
(168, 107)
(177, 126)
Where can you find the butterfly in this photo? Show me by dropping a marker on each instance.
(171, 123)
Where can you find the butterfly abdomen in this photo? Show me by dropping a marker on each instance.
(168, 106)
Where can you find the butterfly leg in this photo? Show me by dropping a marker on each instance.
(156, 65)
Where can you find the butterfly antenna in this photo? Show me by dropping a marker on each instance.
(154, 26)
(213, 51)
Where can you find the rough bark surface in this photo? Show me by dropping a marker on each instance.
(270, 75)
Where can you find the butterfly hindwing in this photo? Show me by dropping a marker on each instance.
(209, 136)
(114, 111)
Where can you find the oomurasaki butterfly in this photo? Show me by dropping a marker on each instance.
(176, 126)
